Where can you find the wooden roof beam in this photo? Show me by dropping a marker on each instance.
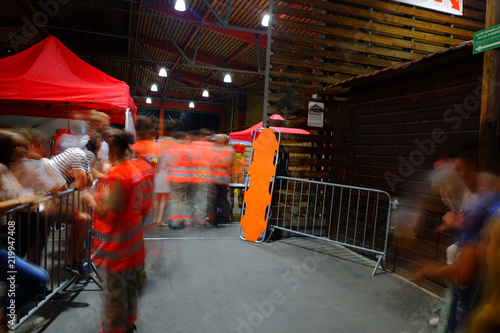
(246, 35)
(207, 59)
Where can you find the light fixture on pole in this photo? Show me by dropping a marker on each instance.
(227, 78)
(148, 100)
(205, 93)
(191, 105)
(154, 87)
(265, 20)
(180, 5)
(163, 72)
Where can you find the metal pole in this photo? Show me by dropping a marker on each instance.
(268, 64)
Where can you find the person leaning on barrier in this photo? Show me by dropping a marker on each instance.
(13, 146)
(91, 150)
(118, 236)
(28, 278)
(73, 164)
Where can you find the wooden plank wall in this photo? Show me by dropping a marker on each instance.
(316, 44)
(403, 121)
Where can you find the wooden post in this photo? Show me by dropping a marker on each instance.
(489, 131)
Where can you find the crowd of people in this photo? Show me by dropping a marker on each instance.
(181, 180)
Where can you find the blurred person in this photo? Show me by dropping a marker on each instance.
(15, 239)
(456, 195)
(99, 122)
(179, 174)
(33, 171)
(144, 147)
(14, 147)
(91, 150)
(73, 164)
(21, 286)
(147, 150)
(486, 316)
(222, 172)
(118, 240)
(463, 271)
(200, 156)
(162, 184)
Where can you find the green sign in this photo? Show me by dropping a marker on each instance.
(487, 39)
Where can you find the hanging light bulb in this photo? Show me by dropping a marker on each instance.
(154, 87)
(163, 72)
(205, 93)
(227, 78)
(265, 20)
(191, 105)
(148, 100)
(180, 5)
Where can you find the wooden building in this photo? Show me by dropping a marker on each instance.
(402, 120)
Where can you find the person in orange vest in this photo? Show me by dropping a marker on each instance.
(146, 149)
(118, 239)
(201, 156)
(222, 175)
(179, 175)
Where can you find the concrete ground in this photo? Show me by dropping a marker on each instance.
(211, 281)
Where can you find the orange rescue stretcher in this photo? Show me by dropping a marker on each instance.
(259, 185)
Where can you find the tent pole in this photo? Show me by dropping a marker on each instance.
(268, 64)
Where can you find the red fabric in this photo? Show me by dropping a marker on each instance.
(248, 134)
(48, 80)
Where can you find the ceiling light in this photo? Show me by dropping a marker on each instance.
(191, 105)
(163, 72)
(180, 5)
(205, 93)
(154, 87)
(227, 78)
(265, 20)
(148, 100)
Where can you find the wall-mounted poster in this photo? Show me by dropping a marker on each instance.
(448, 6)
(316, 114)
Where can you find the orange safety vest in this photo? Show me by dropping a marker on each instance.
(147, 184)
(147, 150)
(223, 165)
(201, 157)
(178, 166)
(118, 239)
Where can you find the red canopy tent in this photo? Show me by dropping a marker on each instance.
(248, 134)
(48, 80)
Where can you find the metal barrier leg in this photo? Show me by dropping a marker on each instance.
(379, 263)
(271, 234)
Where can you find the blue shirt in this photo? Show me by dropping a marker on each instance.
(475, 217)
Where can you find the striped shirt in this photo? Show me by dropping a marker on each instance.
(90, 157)
(71, 159)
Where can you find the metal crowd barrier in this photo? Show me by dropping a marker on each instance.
(50, 222)
(354, 217)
